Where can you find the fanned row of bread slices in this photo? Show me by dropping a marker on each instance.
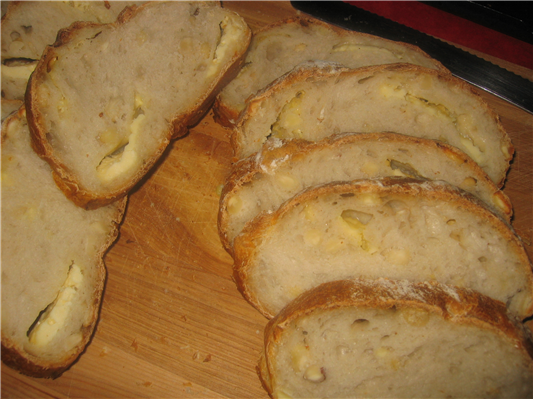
(101, 105)
(365, 217)
(364, 210)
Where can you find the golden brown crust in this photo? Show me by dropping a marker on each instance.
(264, 374)
(223, 115)
(456, 305)
(179, 125)
(246, 243)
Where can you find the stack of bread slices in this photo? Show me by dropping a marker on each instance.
(365, 217)
(100, 107)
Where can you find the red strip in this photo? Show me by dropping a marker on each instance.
(432, 21)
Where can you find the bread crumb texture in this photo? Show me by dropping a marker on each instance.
(401, 344)
(262, 182)
(390, 227)
(312, 103)
(278, 48)
(106, 112)
(52, 271)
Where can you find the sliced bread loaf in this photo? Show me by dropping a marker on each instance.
(262, 182)
(52, 268)
(399, 228)
(395, 339)
(315, 101)
(29, 26)
(277, 48)
(105, 100)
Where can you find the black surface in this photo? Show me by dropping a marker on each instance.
(512, 18)
(475, 70)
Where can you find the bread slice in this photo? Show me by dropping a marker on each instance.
(279, 47)
(395, 339)
(399, 228)
(262, 182)
(52, 268)
(317, 100)
(105, 100)
(29, 26)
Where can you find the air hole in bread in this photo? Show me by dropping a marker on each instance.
(37, 319)
(16, 62)
(94, 36)
(196, 12)
(50, 138)
(361, 322)
(14, 35)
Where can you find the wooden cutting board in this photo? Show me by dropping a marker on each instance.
(172, 322)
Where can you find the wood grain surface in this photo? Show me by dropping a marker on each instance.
(172, 323)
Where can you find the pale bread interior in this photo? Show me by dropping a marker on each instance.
(107, 111)
(277, 49)
(30, 26)
(394, 353)
(282, 169)
(51, 255)
(401, 99)
(371, 232)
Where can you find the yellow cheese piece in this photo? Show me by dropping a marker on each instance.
(55, 318)
(21, 72)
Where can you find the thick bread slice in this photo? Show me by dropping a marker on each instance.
(314, 101)
(105, 100)
(398, 228)
(278, 48)
(262, 182)
(395, 339)
(52, 268)
(29, 26)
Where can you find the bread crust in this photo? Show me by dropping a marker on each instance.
(323, 71)
(178, 126)
(246, 170)
(456, 305)
(247, 242)
(226, 115)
